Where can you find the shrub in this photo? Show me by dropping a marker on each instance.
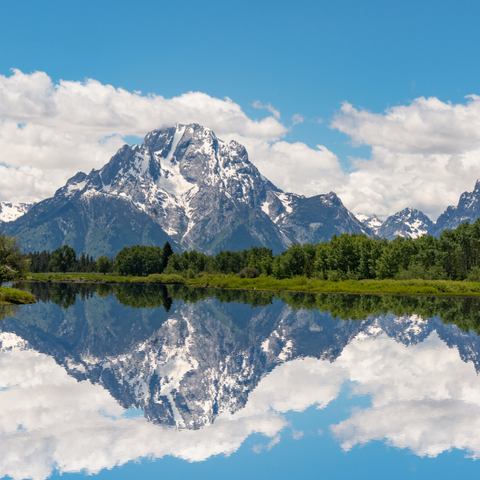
(165, 278)
(155, 278)
(474, 275)
(248, 272)
(334, 276)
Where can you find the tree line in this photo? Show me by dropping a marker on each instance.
(454, 255)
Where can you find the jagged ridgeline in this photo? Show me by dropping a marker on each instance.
(463, 312)
(185, 186)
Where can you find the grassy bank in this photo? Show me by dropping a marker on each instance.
(9, 296)
(297, 284)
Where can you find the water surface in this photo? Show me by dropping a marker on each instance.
(146, 381)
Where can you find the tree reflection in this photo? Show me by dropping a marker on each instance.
(461, 311)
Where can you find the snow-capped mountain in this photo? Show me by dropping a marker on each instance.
(372, 222)
(185, 185)
(11, 211)
(468, 209)
(406, 223)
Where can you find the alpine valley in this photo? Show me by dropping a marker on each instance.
(186, 186)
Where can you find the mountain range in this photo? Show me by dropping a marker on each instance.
(186, 186)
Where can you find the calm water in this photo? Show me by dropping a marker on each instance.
(169, 382)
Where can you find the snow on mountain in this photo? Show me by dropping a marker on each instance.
(406, 223)
(372, 222)
(198, 190)
(468, 209)
(11, 211)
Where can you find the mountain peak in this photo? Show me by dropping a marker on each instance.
(468, 209)
(190, 187)
(408, 222)
(372, 222)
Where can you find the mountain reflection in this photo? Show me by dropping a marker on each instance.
(220, 365)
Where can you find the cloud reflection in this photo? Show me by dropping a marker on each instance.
(424, 397)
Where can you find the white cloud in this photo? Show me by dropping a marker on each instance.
(62, 128)
(273, 111)
(295, 167)
(427, 126)
(423, 155)
(297, 118)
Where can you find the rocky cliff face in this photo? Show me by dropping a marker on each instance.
(185, 185)
(468, 209)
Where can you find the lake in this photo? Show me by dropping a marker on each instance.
(152, 381)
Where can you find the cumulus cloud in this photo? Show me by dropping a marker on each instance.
(70, 126)
(297, 168)
(427, 125)
(423, 397)
(423, 155)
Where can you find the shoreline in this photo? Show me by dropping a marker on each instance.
(414, 287)
(13, 296)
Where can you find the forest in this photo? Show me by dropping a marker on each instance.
(454, 255)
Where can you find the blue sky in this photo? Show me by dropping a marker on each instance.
(301, 57)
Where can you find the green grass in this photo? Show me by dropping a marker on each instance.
(297, 284)
(9, 296)
(312, 285)
(99, 278)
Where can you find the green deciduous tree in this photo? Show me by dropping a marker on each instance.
(103, 264)
(12, 261)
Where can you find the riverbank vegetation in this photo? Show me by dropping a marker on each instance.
(12, 296)
(349, 263)
(13, 264)
(270, 284)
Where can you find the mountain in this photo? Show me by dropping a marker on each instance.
(184, 185)
(372, 222)
(468, 209)
(407, 223)
(11, 211)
